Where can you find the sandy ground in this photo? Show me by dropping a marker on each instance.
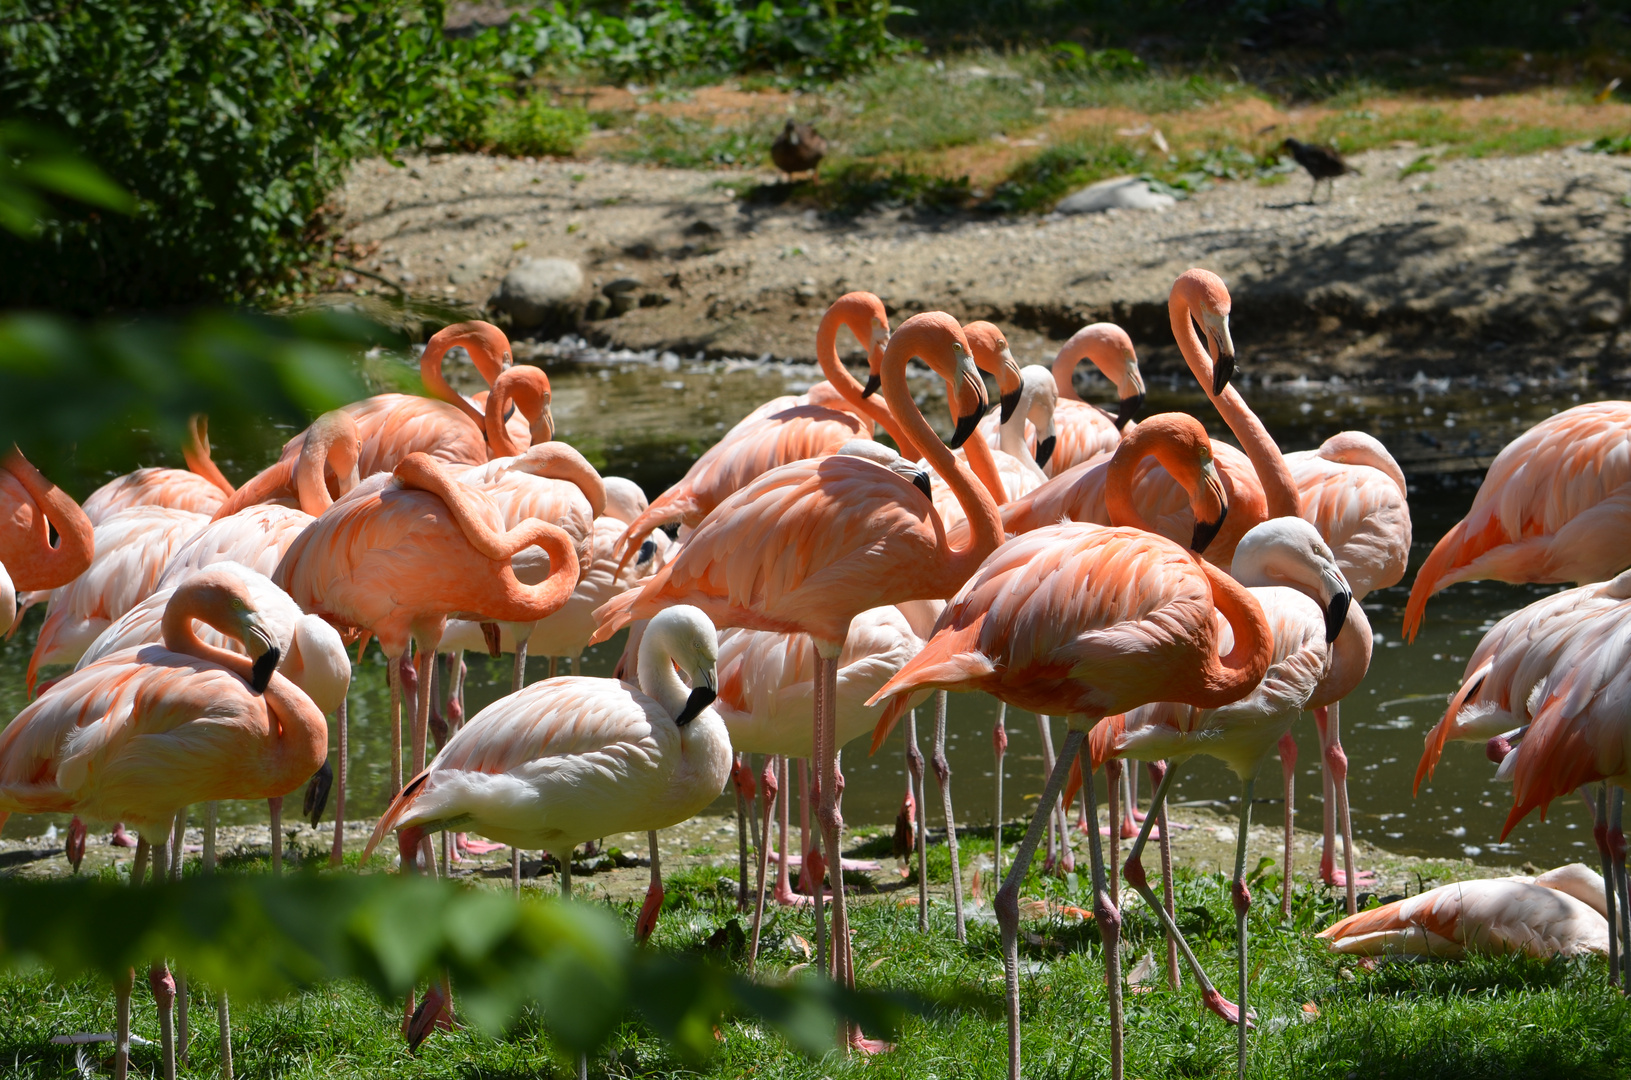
(1520, 263)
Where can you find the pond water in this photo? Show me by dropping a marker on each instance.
(648, 417)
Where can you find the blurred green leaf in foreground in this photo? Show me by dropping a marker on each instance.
(260, 937)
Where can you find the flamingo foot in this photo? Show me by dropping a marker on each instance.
(1337, 878)
(862, 1045)
(120, 838)
(473, 846)
(75, 846)
(649, 910)
(1224, 1008)
(1155, 832)
(434, 1013)
(786, 897)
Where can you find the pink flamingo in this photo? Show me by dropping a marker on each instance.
(1086, 431)
(256, 537)
(786, 428)
(1294, 576)
(28, 504)
(1552, 508)
(784, 552)
(1558, 913)
(144, 733)
(324, 467)
(133, 548)
(200, 487)
(1087, 621)
(569, 759)
(406, 550)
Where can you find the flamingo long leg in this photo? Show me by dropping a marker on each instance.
(1599, 832)
(121, 1010)
(223, 1013)
(1134, 872)
(742, 816)
(518, 676)
(183, 1032)
(942, 773)
(515, 871)
(1157, 770)
(1337, 759)
(1288, 766)
(785, 895)
(914, 770)
(393, 677)
(276, 806)
(1616, 845)
(1007, 898)
(772, 797)
(158, 976)
(1044, 729)
(1106, 914)
(999, 743)
(1113, 805)
(341, 753)
(1243, 903)
(831, 819)
(653, 905)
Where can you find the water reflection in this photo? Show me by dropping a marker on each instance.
(648, 418)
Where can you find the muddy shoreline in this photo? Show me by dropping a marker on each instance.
(1483, 266)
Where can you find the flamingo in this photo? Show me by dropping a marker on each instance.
(8, 602)
(569, 759)
(199, 487)
(329, 448)
(133, 547)
(786, 428)
(256, 536)
(1353, 492)
(1086, 431)
(450, 428)
(404, 551)
(143, 733)
(1293, 575)
(1558, 913)
(28, 504)
(1553, 507)
(807, 547)
(1089, 620)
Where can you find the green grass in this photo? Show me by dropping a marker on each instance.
(536, 128)
(1483, 1018)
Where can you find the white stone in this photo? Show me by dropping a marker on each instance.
(1121, 192)
(535, 292)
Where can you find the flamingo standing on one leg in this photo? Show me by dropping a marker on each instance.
(404, 552)
(1086, 621)
(1086, 431)
(809, 546)
(145, 732)
(1294, 576)
(199, 487)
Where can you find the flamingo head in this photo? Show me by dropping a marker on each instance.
(1207, 300)
(993, 356)
(688, 639)
(1289, 551)
(222, 599)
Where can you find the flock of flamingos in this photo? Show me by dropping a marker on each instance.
(1168, 595)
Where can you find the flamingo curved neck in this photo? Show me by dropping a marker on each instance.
(310, 488)
(1279, 489)
(984, 465)
(528, 388)
(1146, 440)
(1064, 372)
(1229, 678)
(838, 375)
(985, 526)
(430, 373)
(658, 679)
(180, 637)
(69, 557)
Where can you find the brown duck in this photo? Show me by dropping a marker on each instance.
(799, 148)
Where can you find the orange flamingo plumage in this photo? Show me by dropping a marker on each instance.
(808, 546)
(31, 506)
(1555, 506)
(1085, 430)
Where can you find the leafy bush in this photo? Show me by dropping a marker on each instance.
(537, 128)
(229, 122)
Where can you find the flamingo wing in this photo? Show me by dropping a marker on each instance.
(174, 488)
(1494, 916)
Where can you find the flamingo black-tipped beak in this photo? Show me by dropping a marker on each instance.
(1128, 410)
(922, 483)
(872, 384)
(317, 789)
(1336, 614)
(702, 696)
(1010, 402)
(1207, 531)
(966, 426)
(1222, 371)
(1044, 450)
(260, 674)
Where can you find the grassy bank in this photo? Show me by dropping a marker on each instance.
(1317, 1015)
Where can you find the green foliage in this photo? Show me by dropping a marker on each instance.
(1422, 164)
(1057, 171)
(691, 40)
(261, 937)
(102, 393)
(230, 124)
(1609, 144)
(1069, 56)
(36, 164)
(537, 128)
